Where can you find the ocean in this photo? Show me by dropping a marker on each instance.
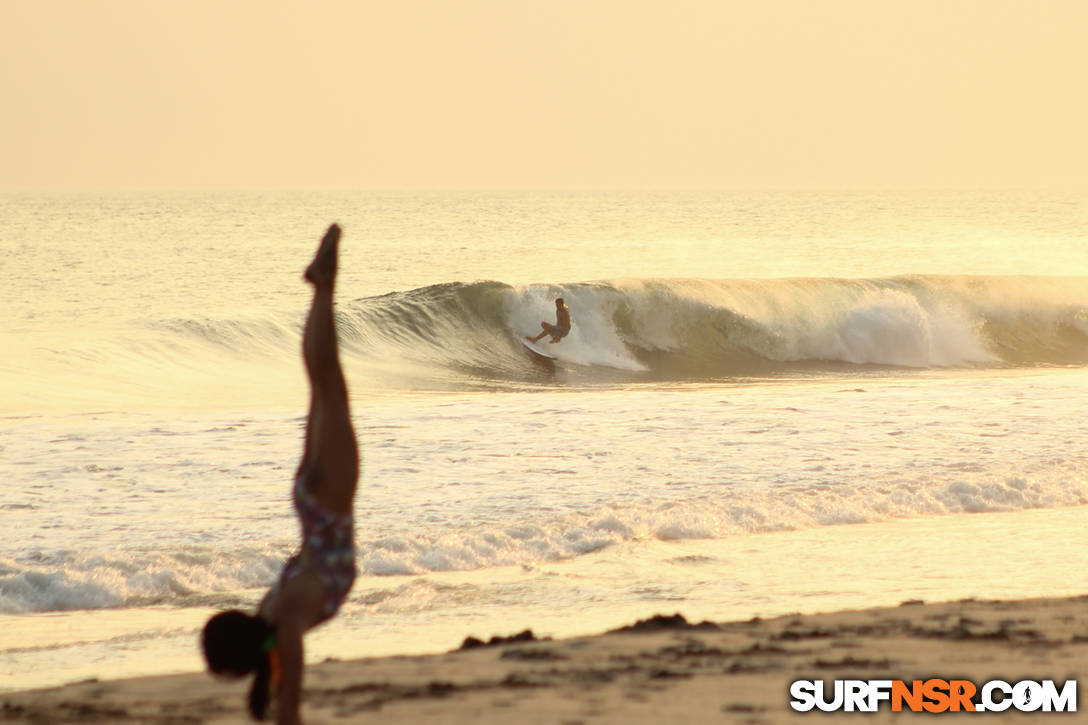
(770, 402)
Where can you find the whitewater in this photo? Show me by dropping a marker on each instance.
(765, 399)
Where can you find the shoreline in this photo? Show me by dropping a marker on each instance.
(666, 671)
(847, 567)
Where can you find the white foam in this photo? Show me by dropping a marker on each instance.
(735, 513)
(75, 581)
(40, 591)
(87, 584)
(892, 327)
(1080, 321)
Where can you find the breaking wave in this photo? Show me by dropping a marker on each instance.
(696, 329)
(203, 575)
(675, 329)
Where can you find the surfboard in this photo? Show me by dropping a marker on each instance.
(536, 350)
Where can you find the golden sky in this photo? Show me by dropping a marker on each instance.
(542, 93)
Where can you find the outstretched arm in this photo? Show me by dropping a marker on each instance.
(289, 692)
(297, 608)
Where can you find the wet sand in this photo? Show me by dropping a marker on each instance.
(662, 670)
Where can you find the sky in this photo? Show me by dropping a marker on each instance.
(133, 94)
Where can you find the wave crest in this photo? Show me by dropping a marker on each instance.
(686, 329)
(713, 328)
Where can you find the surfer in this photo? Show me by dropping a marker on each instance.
(314, 582)
(560, 329)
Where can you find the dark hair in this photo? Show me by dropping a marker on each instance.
(559, 301)
(236, 644)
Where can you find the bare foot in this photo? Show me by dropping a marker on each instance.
(322, 271)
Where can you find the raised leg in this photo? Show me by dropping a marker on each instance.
(547, 331)
(330, 460)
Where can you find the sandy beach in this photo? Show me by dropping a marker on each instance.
(662, 669)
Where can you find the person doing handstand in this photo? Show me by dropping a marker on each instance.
(560, 329)
(314, 582)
